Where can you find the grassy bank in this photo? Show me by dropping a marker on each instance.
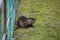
(47, 15)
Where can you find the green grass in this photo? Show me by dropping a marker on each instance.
(47, 15)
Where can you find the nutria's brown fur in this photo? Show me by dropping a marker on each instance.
(25, 22)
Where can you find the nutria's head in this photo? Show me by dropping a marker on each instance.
(31, 20)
